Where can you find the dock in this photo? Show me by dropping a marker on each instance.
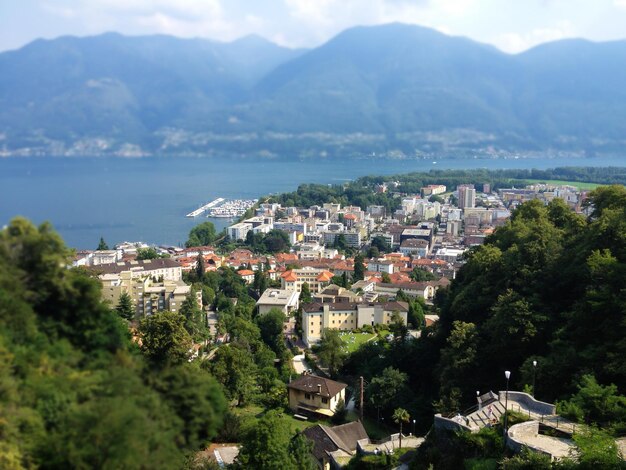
(211, 204)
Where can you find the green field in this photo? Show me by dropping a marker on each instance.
(577, 184)
(252, 413)
(352, 341)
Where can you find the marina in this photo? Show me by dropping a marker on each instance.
(231, 209)
(206, 207)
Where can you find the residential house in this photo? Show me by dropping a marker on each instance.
(314, 394)
(333, 447)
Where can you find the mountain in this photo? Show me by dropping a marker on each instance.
(394, 89)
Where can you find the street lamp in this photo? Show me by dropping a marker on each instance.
(478, 399)
(534, 377)
(507, 374)
(414, 427)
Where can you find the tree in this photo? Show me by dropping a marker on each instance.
(305, 294)
(102, 246)
(266, 445)
(381, 244)
(234, 367)
(385, 278)
(359, 268)
(340, 242)
(125, 307)
(197, 399)
(200, 267)
(164, 339)
(276, 241)
(271, 327)
(388, 388)
(147, 253)
(595, 404)
(195, 320)
(597, 449)
(398, 327)
(330, 352)
(201, 235)
(421, 275)
(300, 450)
(340, 412)
(400, 416)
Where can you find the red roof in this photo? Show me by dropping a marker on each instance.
(245, 272)
(289, 276)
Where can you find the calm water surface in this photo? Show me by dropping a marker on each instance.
(147, 199)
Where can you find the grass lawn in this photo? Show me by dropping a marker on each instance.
(577, 184)
(255, 412)
(352, 341)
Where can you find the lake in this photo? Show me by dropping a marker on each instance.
(147, 199)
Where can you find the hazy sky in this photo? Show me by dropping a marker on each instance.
(511, 25)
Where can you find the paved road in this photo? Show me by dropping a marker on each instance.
(299, 365)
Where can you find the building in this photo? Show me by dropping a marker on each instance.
(314, 394)
(433, 189)
(316, 278)
(467, 195)
(333, 446)
(148, 296)
(425, 290)
(414, 247)
(347, 316)
(380, 266)
(165, 268)
(450, 254)
(247, 275)
(284, 300)
(239, 231)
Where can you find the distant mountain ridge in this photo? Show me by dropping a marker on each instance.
(396, 90)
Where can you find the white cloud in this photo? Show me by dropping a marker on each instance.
(518, 42)
(619, 3)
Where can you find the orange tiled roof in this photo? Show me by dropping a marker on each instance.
(245, 272)
(289, 276)
(325, 276)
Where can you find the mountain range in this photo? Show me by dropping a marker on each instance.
(397, 90)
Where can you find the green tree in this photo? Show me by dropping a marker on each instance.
(400, 416)
(300, 450)
(164, 339)
(421, 275)
(200, 267)
(340, 242)
(147, 253)
(359, 268)
(596, 404)
(597, 449)
(201, 235)
(381, 244)
(340, 412)
(195, 319)
(385, 278)
(234, 367)
(276, 241)
(196, 398)
(266, 445)
(271, 327)
(102, 245)
(388, 388)
(305, 294)
(125, 307)
(330, 352)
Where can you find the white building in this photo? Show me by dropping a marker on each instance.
(239, 231)
(284, 300)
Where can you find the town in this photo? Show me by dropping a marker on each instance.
(322, 282)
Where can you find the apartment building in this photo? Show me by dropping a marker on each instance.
(316, 278)
(347, 316)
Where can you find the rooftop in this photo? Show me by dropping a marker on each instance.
(312, 383)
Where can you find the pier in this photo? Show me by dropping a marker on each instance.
(208, 206)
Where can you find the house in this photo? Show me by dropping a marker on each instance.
(380, 265)
(414, 247)
(167, 268)
(335, 446)
(314, 394)
(247, 275)
(285, 300)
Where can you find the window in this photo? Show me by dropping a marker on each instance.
(325, 401)
(307, 396)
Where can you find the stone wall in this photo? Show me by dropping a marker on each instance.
(448, 424)
(528, 402)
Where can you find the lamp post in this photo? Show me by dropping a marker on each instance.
(414, 427)
(478, 399)
(534, 378)
(507, 374)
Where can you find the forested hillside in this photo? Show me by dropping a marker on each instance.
(75, 392)
(547, 287)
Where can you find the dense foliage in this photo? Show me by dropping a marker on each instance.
(75, 392)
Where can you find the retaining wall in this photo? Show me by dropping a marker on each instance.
(524, 399)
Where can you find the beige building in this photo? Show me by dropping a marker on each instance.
(311, 393)
(148, 296)
(166, 268)
(316, 278)
(347, 316)
(284, 300)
